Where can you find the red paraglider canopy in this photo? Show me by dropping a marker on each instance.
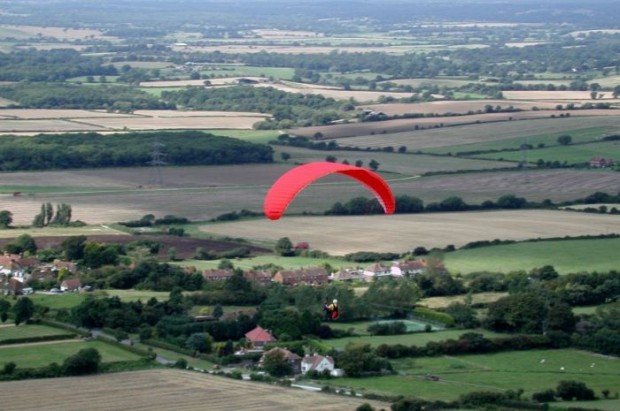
(286, 188)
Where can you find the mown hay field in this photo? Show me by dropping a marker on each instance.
(567, 256)
(554, 95)
(55, 114)
(459, 107)
(165, 390)
(58, 120)
(290, 49)
(210, 191)
(379, 132)
(476, 133)
(335, 93)
(61, 33)
(399, 233)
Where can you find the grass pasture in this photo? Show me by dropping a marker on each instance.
(28, 331)
(417, 338)
(479, 133)
(44, 354)
(492, 372)
(572, 154)
(580, 135)
(342, 235)
(444, 301)
(284, 262)
(566, 256)
(407, 164)
(58, 301)
(168, 389)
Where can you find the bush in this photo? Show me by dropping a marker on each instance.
(86, 361)
(544, 396)
(569, 390)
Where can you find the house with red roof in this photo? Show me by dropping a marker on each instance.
(259, 337)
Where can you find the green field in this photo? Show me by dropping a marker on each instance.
(492, 372)
(360, 327)
(256, 136)
(605, 405)
(549, 139)
(566, 256)
(592, 308)
(156, 91)
(572, 154)
(43, 354)
(419, 339)
(235, 70)
(69, 300)
(407, 164)
(135, 295)
(58, 301)
(28, 331)
(284, 262)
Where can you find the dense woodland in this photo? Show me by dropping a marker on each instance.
(52, 65)
(92, 150)
(288, 109)
(62, 95)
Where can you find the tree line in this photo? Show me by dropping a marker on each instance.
(288, 109)
(92, 150)
(73, 96)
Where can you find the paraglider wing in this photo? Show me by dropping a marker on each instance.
(291, 183)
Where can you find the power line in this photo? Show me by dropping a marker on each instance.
(157, 160)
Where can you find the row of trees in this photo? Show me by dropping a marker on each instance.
(47, 217)
(91, 150)
(73, 96)
(288, 109)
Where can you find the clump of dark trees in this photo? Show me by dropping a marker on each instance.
(288, 109)
(91, 150)
(113, 97)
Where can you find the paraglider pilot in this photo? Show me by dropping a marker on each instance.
(331, 310)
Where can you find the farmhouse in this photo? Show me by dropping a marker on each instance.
(217, 274)
(347, 274)
(293, 359)
(72, 284)
(258, 276)
(259, 337)
(308, 276)
(317, 363)
(404, 268)
(376, 271)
